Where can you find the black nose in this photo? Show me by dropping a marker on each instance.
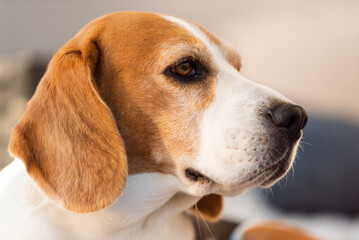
(290, 117)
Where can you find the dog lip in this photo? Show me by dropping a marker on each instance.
(298, 136)
(196, 176)
(280, 168)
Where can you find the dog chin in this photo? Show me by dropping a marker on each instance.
(280, 169)
(268, 176)
(200, 184)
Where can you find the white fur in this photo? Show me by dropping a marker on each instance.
(149, 208)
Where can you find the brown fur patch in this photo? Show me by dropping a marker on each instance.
(68, 138)
(210, 207)
(273, 230)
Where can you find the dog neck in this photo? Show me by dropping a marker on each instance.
(150, 203)
(151, 195)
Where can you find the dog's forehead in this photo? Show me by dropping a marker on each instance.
(211, 42)
(150, 36)
(224, 56)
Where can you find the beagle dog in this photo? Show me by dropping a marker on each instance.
(139, 118)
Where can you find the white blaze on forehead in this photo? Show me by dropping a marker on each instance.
(212, 47)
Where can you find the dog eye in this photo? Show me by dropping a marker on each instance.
(185, 69)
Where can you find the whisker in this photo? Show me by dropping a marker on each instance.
(292, 171)
(209, 229)
(285, 180)
(271, 191)
(199, 226)
(301, 147)
(280, 186)
(307, 143)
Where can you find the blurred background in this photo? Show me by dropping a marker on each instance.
(306, 49)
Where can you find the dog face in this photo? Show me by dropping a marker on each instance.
(241, 143)
(152, 93)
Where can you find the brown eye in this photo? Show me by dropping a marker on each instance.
(185, 69)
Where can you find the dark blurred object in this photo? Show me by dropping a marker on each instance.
(220, 230)
(37, 70)
(326, 174)
(19, 76)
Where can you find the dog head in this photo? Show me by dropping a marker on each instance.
(142, 92)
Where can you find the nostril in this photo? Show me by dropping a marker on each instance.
(289, 116)
(292, 124)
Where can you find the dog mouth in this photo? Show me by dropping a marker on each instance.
(196, 176)
(276, 171)
(264, 177)
(282, 166)
(269, 175)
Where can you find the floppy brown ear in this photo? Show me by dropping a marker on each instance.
(209, 207)
(68, 138)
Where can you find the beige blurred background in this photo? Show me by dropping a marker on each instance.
(306, 49)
